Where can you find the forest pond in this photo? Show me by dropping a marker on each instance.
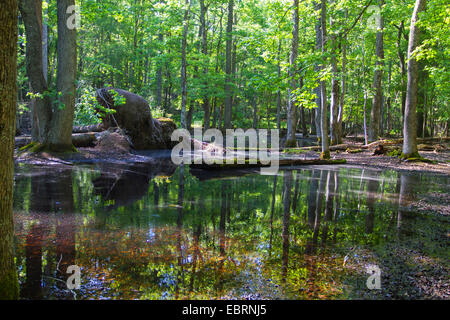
(146, 231)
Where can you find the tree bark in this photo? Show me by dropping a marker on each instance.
(184, 64)
(60, 135)
(291, 140)
(228, 69)
(318, 27)
(339, 129)
(374, 126)
(279, 91)
(410, 124)
(324, 101)
(31, 12)
(334, 107)
(9, 285)
(204, 39)
(159, 76)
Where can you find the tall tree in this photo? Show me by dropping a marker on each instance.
(291, 140)
(334, 105)
(375, 114)
(9, 285)
(60, 134)
(410, 122)
(31, 13)
(204, 40)
(228, 68)
(318, 29)
(323, 92)
(184, 63)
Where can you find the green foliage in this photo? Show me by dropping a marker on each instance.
(86, 106)
(136, 46)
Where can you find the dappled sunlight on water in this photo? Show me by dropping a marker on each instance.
(140, 232)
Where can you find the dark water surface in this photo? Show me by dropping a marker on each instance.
(161, 232)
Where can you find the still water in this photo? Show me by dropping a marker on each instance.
(154, 231)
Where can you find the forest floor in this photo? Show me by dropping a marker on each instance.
(366, 158)
(440, 161)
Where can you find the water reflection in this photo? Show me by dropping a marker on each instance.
(152, 232)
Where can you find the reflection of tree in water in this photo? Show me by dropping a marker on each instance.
(51, 193)
(125, 185)
(372, 191)
(406, 196)
(287, 188)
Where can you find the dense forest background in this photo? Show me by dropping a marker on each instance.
(255, 63)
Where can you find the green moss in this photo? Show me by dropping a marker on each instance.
(416, 157)
(413, 155)
(395, 153)
(294, 151)
(9, 286)
(325, 155)
(353, 150)
(28, 146)
(74, 150)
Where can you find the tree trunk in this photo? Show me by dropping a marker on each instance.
(31, 12)
(60, 135)
(388, 104)
(184, 64)
(324, 101)
(204, 39)
(45, 44)
(9, 285)
(279, 91)
(410, 124)
(334, 107)
(401, 57)
(228, 69)
(374, 126)
(291, 140)
(339, 129)
(317, 69)
(159, 76)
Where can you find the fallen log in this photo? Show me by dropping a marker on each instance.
(258, 164)
(391, 142)
(338, 147)
(79, 140)
(84, 140)
(86, 129)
